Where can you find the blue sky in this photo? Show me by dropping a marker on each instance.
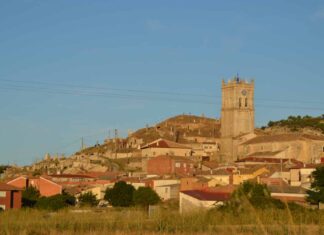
(81, 68)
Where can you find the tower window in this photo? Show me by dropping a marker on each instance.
(246, 102)
(240, 102)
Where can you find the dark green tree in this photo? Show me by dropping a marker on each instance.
(251, 194)
(316, 194)
(30, 197)
(121, 195)
(56, 202)
(88, 199)
(3, 168)
(145, 196)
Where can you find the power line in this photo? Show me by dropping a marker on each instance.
(144, 97)
(105, 89)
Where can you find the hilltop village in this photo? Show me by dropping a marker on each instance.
(193, 160)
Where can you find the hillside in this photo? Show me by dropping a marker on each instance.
(180, 128)
(298, 124)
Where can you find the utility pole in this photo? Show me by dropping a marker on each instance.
(82, 144)
(116, 137)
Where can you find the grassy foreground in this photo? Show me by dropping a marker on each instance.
(136, 221)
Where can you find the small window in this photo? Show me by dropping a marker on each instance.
(2, 194)
(184, 165)
(323, 149)
(240, 102)
(177, 164)
(166, 190)
(3, 207)
(246, 102)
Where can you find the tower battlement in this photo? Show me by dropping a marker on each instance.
(237, 80)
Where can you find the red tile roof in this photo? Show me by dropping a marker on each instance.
(7, 187)
(70, 176)
(208, 196)
(268, 160)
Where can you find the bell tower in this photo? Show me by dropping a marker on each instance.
(237, 117)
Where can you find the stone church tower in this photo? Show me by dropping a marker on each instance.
(237, 117)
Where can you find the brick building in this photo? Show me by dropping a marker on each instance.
(170, 165)
(45, 186)
(10, 197)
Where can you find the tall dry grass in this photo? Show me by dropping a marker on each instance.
(136, 221)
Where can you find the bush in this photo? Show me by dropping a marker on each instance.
(30, 197)
(121, 195)
(88, 199)
(145, 196)
(55, 202)
(3, 168)
(252, 194)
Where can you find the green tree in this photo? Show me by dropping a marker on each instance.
(3, 168)
(55, 202)
(145, 196)
(316, 194)
(121, 195)
(88, 199)
(252, 194)
(30, 197)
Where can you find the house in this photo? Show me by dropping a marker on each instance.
(220, 177)
(193, 183)
(301, 176)
(168, 192)
(10, 197)
(165, 147)
(287, 193)
(170, 165)
(209, 165)
(240, 175)
(201, 199)
(45, 186)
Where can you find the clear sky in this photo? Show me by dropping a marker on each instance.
(78, 68)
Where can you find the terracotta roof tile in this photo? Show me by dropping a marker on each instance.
(208, 196)
(7, 187)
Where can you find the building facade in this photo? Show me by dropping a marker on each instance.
(10, 197)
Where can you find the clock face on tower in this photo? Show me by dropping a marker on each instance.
(244, 92)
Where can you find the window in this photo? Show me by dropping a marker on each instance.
(166, 190)
(177, 164)
(323, 149)
(246, 102)
(2, 194)
(3, 207)
(184, 165)
(240, 102)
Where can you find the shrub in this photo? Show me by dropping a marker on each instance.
(252, 194)
(121, 195)
(316, 194)
(88, 199)
(30, 197)
(145, 196)
(55, 202)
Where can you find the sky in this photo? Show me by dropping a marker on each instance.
(76, 68)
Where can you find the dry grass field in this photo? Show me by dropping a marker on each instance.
(136, 221)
